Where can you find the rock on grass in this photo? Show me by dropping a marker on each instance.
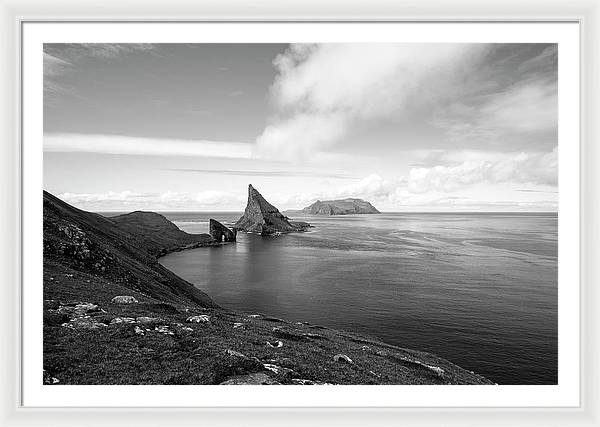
(257, 378)
(124, 299)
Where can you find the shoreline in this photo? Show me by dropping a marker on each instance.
(166, 251)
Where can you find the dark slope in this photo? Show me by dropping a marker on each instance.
(263, 218)
(159, 235)
(121, 251)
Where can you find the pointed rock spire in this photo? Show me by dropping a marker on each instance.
(263, 218)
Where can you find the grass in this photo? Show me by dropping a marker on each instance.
(116, 354)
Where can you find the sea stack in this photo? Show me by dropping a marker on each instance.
(221, 233)
(263, 218)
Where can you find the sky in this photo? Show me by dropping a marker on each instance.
(408, 127)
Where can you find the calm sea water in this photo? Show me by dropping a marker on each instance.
(477, 289)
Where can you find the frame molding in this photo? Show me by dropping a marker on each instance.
(15, 12)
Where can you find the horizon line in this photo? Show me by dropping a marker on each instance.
(298, 210)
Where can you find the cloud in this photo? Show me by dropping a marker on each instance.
(170, 200)
(523, 110)
(527, 107)
(518, 112)
(440, 202)
(63, 58)
(209, 198)
(544, 63)
(321, 90)
(485, 167)
(528, 190)
(445, 183)
(112, 144)
(483, 181)
(301, 135)
(74, 51)
(372, 187)
(101, 197)
(198, 112)
(282, 174)
(54, 66)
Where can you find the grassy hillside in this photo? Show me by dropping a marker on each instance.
(118, 251)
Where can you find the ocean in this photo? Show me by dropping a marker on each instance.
(479, 289)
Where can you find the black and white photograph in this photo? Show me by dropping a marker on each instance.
(300, 214)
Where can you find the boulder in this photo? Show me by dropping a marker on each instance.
(256, 378)
(83, 323)
(342, 358)
(49, 379)
(273, 319)
(117, 320)
(234, 353)
(201, 318)
(77, 309)
(164, 329)
(279, 370)
(312, 336)
(263, 218)
(300, 381)
(124, 299)
(221, 233)
(432, 368)
(146, 319)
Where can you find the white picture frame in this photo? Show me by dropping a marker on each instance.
(16, 13)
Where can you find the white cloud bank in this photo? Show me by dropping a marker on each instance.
(321, 90)
(489, 167)
(486, 176)
(446, 185)
(170, 200)
(113, 144)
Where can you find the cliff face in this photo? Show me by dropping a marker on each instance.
(263, 218)
(340, 207)
(221, 233)
(122, 250)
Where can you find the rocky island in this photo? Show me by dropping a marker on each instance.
(112, 314)
(340, 207)
(263, 218)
